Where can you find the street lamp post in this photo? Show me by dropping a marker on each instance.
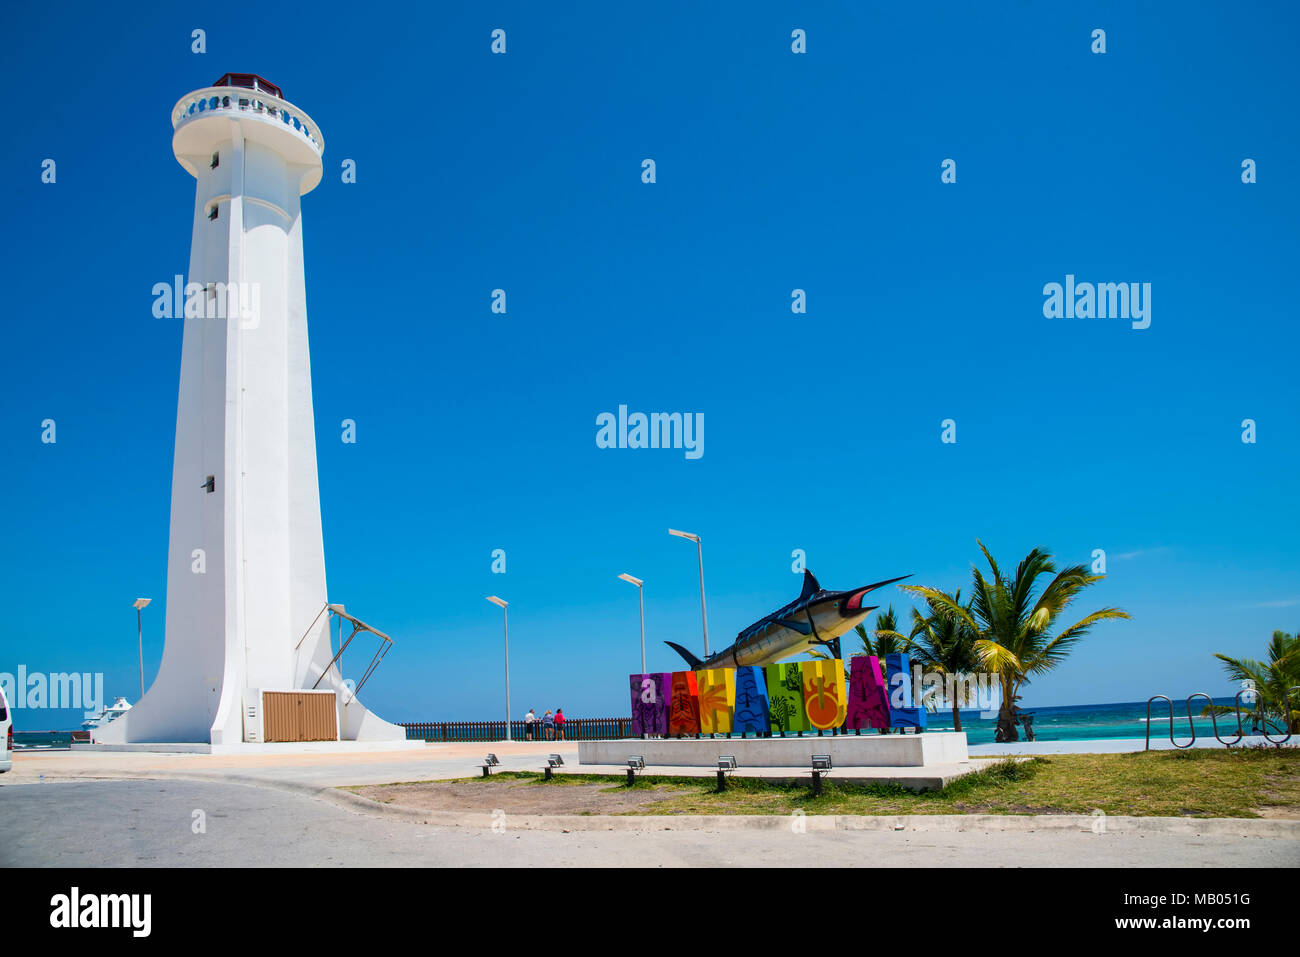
(700, 548)
(505, 623)
(704, 615)
(641, 596)
(138, 605)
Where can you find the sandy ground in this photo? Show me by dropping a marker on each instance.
(511, 796)
(526, 797)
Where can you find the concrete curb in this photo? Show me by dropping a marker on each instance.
(915, 823)
(935, 823)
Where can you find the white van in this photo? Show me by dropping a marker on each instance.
(6, 734)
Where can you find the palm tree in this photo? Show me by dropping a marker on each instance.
(1013, 622)
(885, 639)
(942, 642)
(1270, 680)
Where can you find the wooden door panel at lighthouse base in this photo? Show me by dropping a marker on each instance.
(717, 697)
(684, 711)
(650, 697)
(785, 697)
(823, 692)
(299, 716)
(751, 711)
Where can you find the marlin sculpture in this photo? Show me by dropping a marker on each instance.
(816, 617)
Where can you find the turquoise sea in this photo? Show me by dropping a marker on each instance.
(1077, 722)
(24, 740)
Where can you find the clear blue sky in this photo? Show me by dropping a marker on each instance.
(775, 171)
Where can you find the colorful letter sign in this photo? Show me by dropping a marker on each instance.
(650, 697)
(823, 692)
(868, 702)
(785, 697)
(717, 697)
(751, 703)
(684, 711)
(899, 676)
(793, 696)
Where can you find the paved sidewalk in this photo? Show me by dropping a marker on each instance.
(434, 762)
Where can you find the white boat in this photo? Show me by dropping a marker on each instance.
(115, 710)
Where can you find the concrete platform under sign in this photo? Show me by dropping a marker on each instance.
(931, 777)
(846, 751)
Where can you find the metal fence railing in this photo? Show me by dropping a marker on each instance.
(574, 729)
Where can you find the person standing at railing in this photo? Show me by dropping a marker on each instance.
(529, 720)
(559, 723)
(548, 725)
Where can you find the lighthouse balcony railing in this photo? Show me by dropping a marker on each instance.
(231, 99)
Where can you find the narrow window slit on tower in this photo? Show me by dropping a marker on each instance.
(210, 485)
(216, 160)
(212, 213)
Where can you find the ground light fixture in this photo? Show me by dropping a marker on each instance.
(505, 624)
(821, 764)
(635, 763)
(699, 548)
(489, 763)
(726, 764)
(641, 596)
(139, 605)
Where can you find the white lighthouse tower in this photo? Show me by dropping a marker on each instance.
(247, 613)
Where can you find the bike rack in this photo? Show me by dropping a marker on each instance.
(1171, 723)
(1214, 720)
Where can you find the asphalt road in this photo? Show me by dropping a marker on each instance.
(151, 823)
